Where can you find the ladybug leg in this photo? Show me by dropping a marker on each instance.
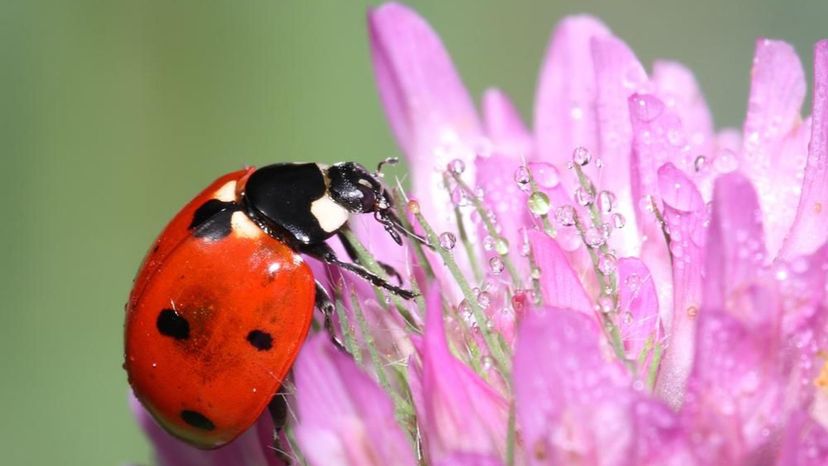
(326, 305)
(324, 253)
(397, 224)
(278, 409)
(352, 254)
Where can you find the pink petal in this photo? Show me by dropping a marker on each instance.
(457, 410)
(736, 247)
(733, 407)
(503, 196)
(638, 303)
(559, 283)
(808, 231)
(253, 448)
(565, 116)
(805, 443)
(773, 154)
(618, 75)
(571, 402)
(504, 126)
(679, 90)
(462, 459)
(342, 412)
(684, 212)
(658, 137)
(430, 111)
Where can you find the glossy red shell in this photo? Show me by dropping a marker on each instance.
(224, 289)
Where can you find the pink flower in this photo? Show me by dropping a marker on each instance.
(620, 285)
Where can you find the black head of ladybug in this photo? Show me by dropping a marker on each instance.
(311, 202)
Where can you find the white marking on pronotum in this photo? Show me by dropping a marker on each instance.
(243, 226)
(330, 215)
(227, 193)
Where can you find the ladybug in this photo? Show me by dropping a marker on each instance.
(223, 300)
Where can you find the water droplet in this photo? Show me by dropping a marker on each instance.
(486, 362)
(501, 246)
(627, 318)
(699, 162)
(583, 196)
(523, 178)
(545, 174)
(692, 312)
(594, 238)
(535, 273)
(618, 221)
(447, 240)
(520, 300)
(726, 161)
(488, 243)
(581, 156)
(607, 264)
(565, 215)
(496, 265)
(633, 282)
(539, 203)
(484, 299)
(606, 304)
(413, 207)
(458, 197)
(647, 108)
(606, 201)
(457, 166)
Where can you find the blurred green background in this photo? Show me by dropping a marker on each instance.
(115, 113)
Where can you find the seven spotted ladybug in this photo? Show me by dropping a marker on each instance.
(223, 301)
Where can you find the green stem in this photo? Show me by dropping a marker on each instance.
(494, 349)
(490, 227)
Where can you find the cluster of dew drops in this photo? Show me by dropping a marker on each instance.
(590, 222)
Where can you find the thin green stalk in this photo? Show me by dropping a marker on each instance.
(448, 259)
(490, 227)
(511, 436)
(366, 259)
(348, 333)
(652, 372)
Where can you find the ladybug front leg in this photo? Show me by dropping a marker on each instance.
(352, 254)
(324, 253)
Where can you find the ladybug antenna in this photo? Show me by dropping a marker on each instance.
(387, 161)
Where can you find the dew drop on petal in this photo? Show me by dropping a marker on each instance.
(496, 265)
(488, 243)
(594, 238)
(484, 299)
(539, 203)
(501, 246)
(457, 166)
(606, 304)
(618, 221)
(565, 215)
(647, 108)
(581, 156)
(606, 201)
(726, 161)
(535, 273)
(413, 207)
(545, 174)
(523, 178)
(447, 240)
(486, 362)
(633, 283)
(583, 196)
(607, 264)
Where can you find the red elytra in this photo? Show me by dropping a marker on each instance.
(213, 327)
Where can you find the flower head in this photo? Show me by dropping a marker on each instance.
(620, 285)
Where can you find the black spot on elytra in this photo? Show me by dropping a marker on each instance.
(211, 220)
(260, 340)
(197, 420)
(172, 324)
